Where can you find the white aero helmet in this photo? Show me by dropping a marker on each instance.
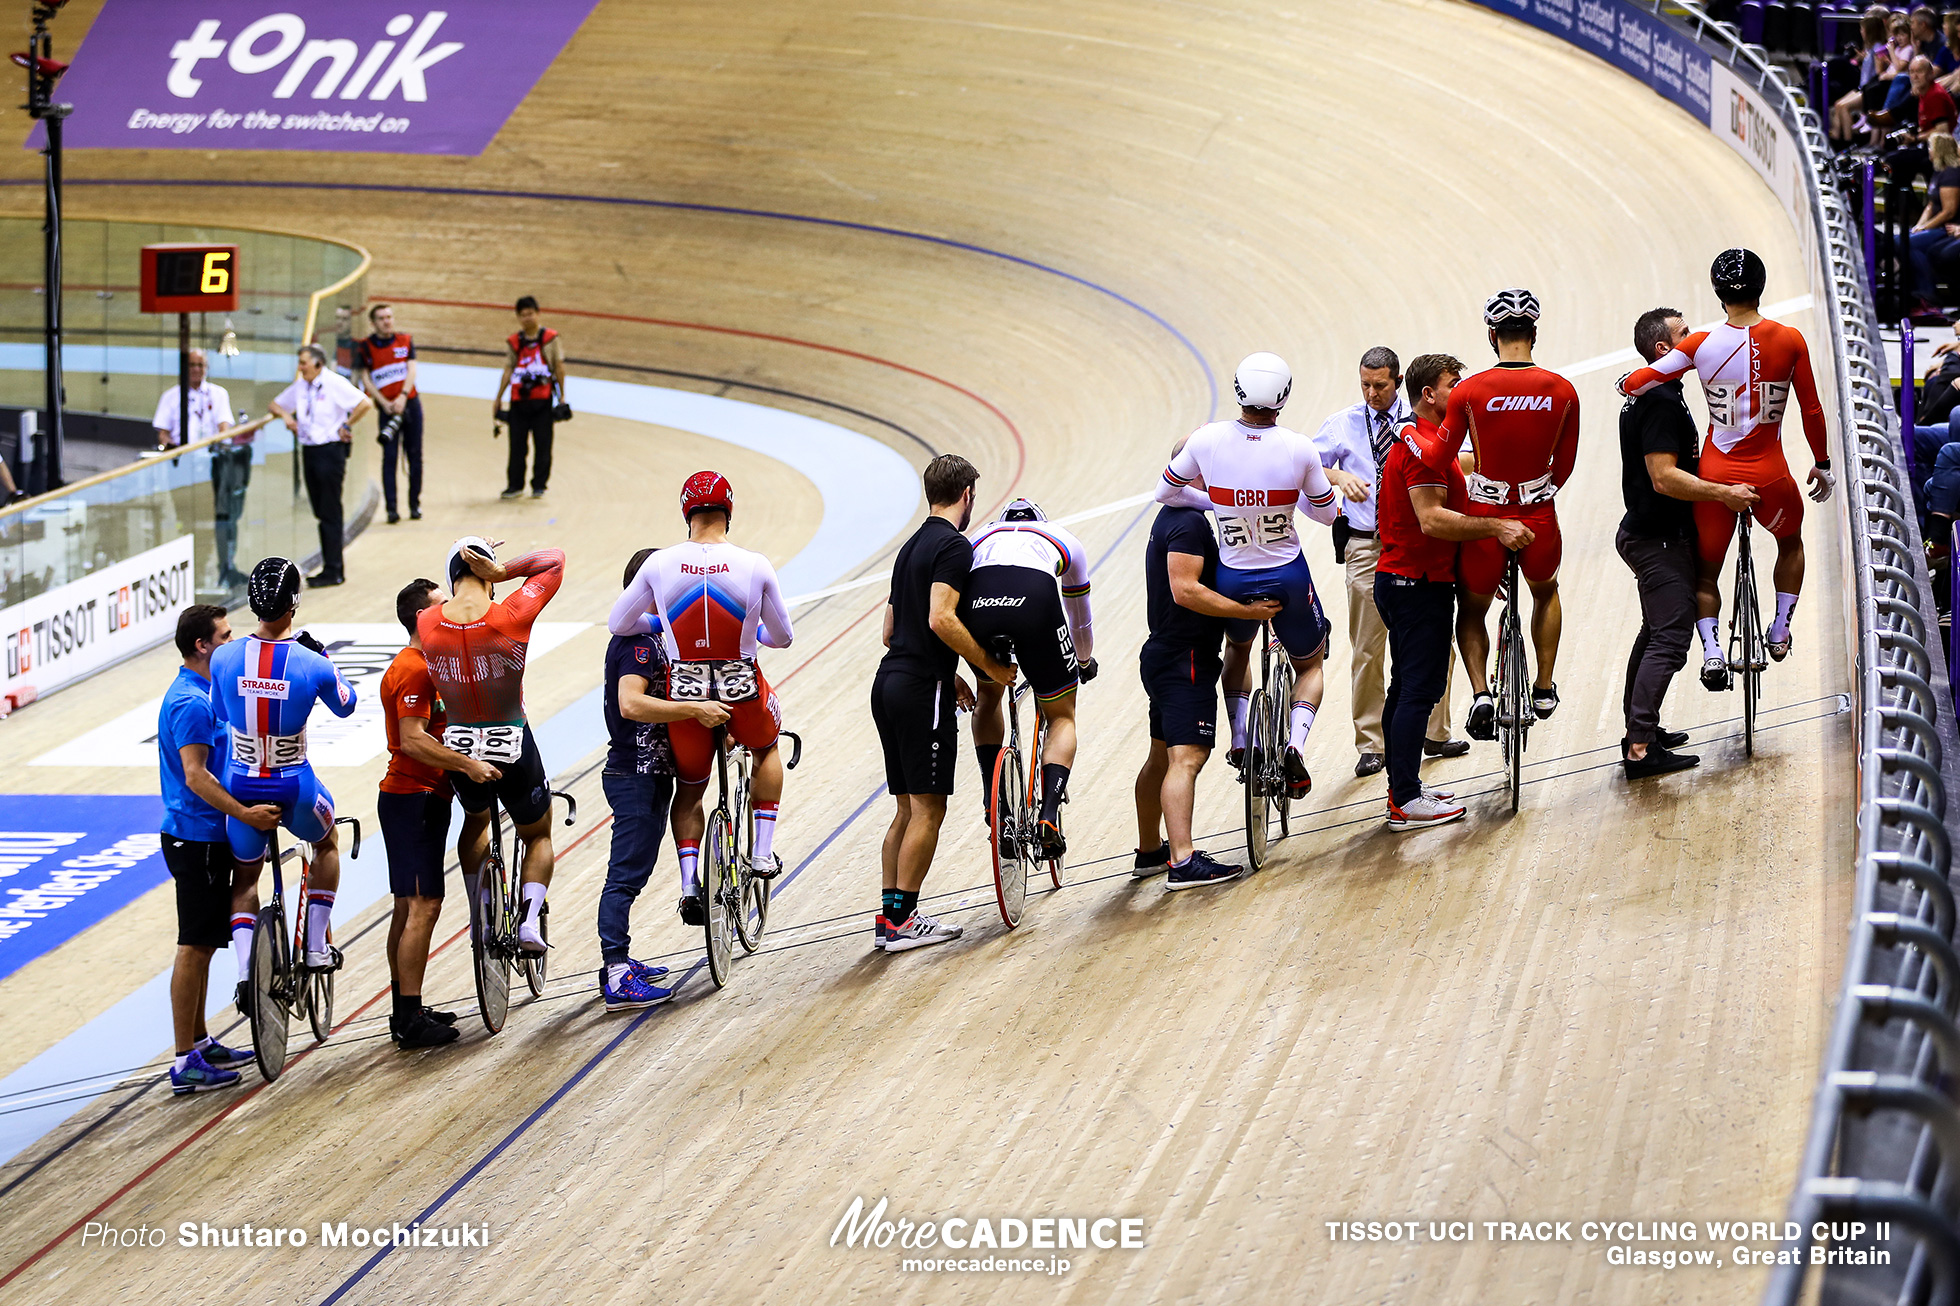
(454, 568)
(1263, 381)
(1023, 510)
(1506, 305)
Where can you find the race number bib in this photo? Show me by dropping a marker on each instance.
(268, 750)
(1538, 491)
(719, 682)
(1724, 402)
(1266, 528)
(1484, 490)
(500, 743)
(1771, 399)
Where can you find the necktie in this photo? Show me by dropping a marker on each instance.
(1379, 440)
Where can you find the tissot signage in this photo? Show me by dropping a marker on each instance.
(348, 75)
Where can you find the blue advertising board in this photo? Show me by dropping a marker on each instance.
(1633, 40)
(66, 862)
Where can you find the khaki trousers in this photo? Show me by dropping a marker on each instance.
(1368, 644)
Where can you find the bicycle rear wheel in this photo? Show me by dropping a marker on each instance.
(319, 1003)
(1512, 703)
(271, 978)
(490, 947)
(533, 963)
(1749, 631)
(752, 896)
(1033, 791)
(1258, 768)
(718, 898)
(1279, 790)
(1009, 835)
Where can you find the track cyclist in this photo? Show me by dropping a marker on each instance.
(1255, 473)
(1748, 367)
(1522, 423)
(1030, 582)
(264, 687)
(475, 646)
(713, 603)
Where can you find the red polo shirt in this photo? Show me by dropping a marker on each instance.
(1417, 458)
(1935, 107)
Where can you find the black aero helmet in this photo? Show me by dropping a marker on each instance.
(1738, 276)
(273, 590)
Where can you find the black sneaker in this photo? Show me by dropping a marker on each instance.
(394, 518)
(511, 494)
(415, 514)
(320, 580)
(421, 1032)
(1149, 863)
(440, 1017)
(1369, 764)
(692, 912)
(1201, 869)
(1670, 739)
(1445, 747)
(1659, 761)
(1544, 701)
(1482, 721)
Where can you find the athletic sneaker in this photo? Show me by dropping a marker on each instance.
(418, 1032)
(648, 974)
(199, 1076)
(920, 931)
(440, 1017)
(633, 992)
(1670, 739)
(1200, 869)
(1544, 701)
(1150, 863)
(1440, 795)
(511, 494)
(881, 932)
(1482, 721)
(1659, 761)
(1714, 673)
(692, 912)
(1422, 811)
(1299, 783)
(530, 933)
(218, 1056)
(766, 868)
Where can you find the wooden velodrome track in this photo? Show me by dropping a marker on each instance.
(1609, 1004)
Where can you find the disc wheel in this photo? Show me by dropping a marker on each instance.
(719, 898)
(1257, 728)
(489, 947)
(270, 964)
(1008, 836)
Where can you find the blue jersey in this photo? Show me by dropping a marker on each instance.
(264, 691)
(187, 717)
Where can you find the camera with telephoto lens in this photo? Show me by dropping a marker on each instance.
(390, 429)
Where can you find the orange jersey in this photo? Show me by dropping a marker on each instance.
(385, 359)
(478, 666)
(1747, 375)
(1522, 423)
(406, 690)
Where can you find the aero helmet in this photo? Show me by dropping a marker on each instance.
(273, 590)
(1263, 381)
(1738, 276)
(705, 492)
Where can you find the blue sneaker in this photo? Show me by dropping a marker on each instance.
(647, 974)
(218, 1056)
(632, 993)
(199, 1076)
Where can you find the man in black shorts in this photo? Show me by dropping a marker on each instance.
(1180, 668)
(196, 850)
(916, 692)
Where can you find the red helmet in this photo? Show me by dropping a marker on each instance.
(706, 491)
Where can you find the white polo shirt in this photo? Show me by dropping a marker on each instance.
(210, 412)
(321, 405)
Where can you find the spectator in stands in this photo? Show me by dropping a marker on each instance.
(1895, 107)
(1926, 110)
(1936, 443)
(1874, 62)
(210, 408)
(1948, 59)
(1930, 242)
(1926, 42)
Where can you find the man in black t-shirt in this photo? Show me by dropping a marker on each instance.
(916, 693)
(1658, 460)
(1180, 667)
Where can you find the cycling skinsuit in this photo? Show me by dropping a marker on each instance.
(713, 603)
(478, 669)
(1747, 374)
(1523, 426)
(264, 690)
(1255, 476)
(1030, 582)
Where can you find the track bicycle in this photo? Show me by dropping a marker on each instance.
(1511, 685)
(1012, 804)
(1748, 656)
(736, 899)
(280, 982)
(1262, 767)
(494, 950)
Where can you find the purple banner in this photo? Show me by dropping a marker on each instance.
(369, 75)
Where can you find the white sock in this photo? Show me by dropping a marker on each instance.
(765, 830)
(1779, 630)
(203, 1043)
(241, 943)
(1711, 647)
(472, 894)
(1240, 704)
(319, 909)
(1302, 723)
(183, 1061)
(616, 974)
(533, 902)
(689, 851)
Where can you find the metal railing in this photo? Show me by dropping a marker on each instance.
(1883, 1150)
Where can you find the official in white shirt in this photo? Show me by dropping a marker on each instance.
(1353, 444)
(321, 408)
(210, 408)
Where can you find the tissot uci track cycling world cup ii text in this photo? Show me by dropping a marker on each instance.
(369, 75)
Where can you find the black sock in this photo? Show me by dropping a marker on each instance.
(1054, 783)
(988, 754)
(405, 1007)
(908, 902)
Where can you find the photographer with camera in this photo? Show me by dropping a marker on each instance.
(533, 386)
(384, 362)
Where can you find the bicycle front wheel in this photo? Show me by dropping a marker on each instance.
(271, 974)
(718, 897)
(1258, 765)
(534, 962)
(319, 1003)
(1009, 836)
(489, 946)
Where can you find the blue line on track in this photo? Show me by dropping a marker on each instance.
(1211, 382)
